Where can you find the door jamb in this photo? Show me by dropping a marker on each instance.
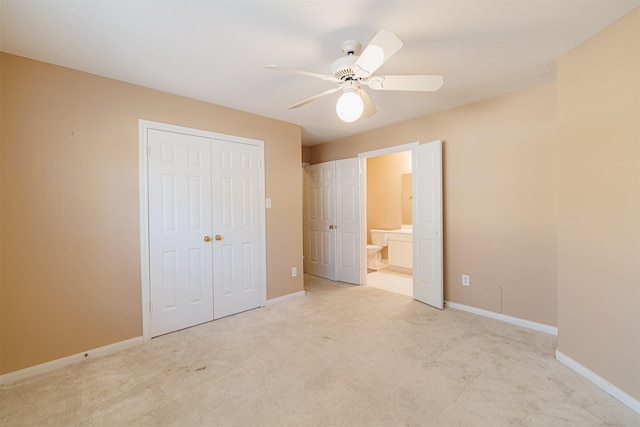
(143, 182)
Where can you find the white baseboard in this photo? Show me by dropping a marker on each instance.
(285, 298)
(540, 327)
(44, 368)
(605, 385)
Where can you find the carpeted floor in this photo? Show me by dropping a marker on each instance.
(341, 356)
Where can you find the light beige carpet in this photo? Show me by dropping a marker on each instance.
(341, 356)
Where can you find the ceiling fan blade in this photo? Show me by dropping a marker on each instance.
(412, 83)
(313, 98)
(382, 47)
(301, 72)
(369, 108)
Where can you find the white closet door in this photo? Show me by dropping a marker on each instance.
(320, 220)
(179, 219)
(427, 224)
(237, 245)
(348, 221)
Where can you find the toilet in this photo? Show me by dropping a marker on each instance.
(374, 250)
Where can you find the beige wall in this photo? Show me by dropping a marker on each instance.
(499, 198)
(599, 204)
(306, 154)
(384, 188)
(70, 223)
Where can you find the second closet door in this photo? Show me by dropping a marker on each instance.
(237, 248)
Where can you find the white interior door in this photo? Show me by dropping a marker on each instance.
(237, 247)
(427, 224)
(347, 228)
(320, 220)
(179, 173)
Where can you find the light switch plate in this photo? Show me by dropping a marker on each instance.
(267, 203)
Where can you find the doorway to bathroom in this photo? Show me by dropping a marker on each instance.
(387, 218)
(420, 247)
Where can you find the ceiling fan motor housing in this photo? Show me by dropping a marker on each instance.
(342, 68)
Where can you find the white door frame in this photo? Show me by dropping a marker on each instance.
(363, 199)
(143, 126)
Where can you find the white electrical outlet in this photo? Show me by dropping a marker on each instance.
(294, 271)
(465, 280)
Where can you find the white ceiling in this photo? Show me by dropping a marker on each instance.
(216, 51)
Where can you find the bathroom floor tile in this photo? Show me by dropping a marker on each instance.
(391, 281)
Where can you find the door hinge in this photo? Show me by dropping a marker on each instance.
(148, 151)
(150, 305)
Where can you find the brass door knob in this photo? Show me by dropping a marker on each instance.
(207, 238)
(331, 227)
(218, 237)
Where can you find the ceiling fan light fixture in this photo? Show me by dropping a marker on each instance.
(349, 106)
(356, 68)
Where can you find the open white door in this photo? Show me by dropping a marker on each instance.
(348, 221)
(427, 224)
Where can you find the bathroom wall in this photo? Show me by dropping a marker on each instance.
(384, 189)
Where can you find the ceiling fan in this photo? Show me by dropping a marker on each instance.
(352, 71)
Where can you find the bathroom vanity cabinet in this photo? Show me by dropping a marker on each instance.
(401, 251)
